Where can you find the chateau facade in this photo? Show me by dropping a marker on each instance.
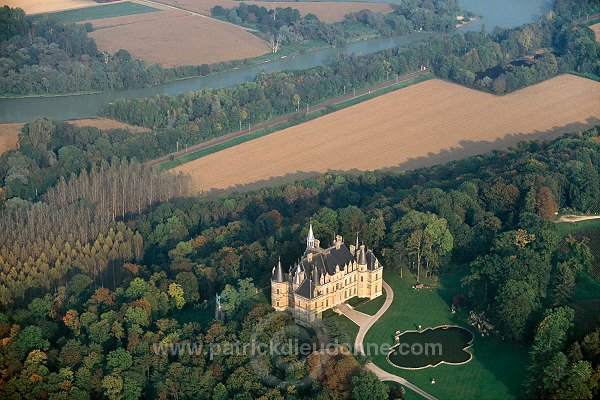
(325, 278)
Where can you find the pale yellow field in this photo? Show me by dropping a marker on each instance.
(425, 124)
(9, 133)
(176, 38)
(44, 6)
(326, 11)
(596, 29)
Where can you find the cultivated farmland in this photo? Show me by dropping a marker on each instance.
(45, 6)
(175, 38)
(326, 11)
(9, 136)
(596, 29)
(9, 132)
(425, 124)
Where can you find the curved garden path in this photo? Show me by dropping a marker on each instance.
(365, 322)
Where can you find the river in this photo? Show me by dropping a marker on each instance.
(504, 13)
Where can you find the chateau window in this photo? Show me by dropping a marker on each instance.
(277, 304)
(362, 279)
(277, 291)
(327, 303)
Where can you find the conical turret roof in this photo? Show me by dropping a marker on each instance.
(278, 273)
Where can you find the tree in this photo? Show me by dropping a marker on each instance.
(119, 360)
(177, 293)
(516, 301)
(366, 386)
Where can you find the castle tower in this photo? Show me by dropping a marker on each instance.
(279, 288)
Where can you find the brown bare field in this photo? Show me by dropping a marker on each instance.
(176, 38)
(9, 132)
(326, 11)
(44, 6)
(596, 29)
(9, 136)
(425, 124)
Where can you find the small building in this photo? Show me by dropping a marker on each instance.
(325, 278)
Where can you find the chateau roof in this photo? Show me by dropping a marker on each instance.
(371, 261)
(306, 289)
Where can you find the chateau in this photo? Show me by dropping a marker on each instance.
(325, 278)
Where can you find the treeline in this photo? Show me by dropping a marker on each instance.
(285, 26)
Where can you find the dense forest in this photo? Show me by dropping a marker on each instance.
(285, 26)
(91, 331)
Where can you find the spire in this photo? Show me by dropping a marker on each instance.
(310, 240)
(362, 258)
(278, 272)
(315, 275)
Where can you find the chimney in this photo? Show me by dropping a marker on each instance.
(309, 257)
(317, 243)
(352, 249)
(338, 242)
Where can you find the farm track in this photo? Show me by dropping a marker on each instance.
(284, 118)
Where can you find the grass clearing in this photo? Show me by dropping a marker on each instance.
(429, 123)
(97, 12)
(497, 368)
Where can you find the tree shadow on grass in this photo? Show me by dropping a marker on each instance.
(465, 149)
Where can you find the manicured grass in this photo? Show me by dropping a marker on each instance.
(97, 12)
(372, 306)
(587, 288)
(202, 315)
(497, 368)
(312, 115)
(565, 228)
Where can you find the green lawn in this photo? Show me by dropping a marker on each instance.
(565, 228)
(371, 307)
(97, 12)
(497, 368)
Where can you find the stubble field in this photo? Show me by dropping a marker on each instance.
(44, 6)
(596, 29)
(176, 38)
(9, 132)
(326, 11)
(425, 124)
